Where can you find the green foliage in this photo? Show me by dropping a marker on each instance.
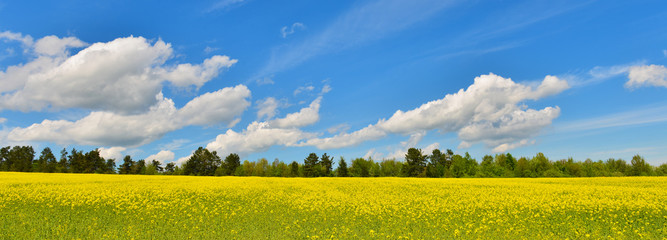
(361, 167)
(640, 167)
(294, 169)
(311, 165)
(326, 162)
(342, 168)
(416, 163)
(202, 163)
(232, 161)
(436, 165)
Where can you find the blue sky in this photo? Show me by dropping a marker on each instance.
(281, 79)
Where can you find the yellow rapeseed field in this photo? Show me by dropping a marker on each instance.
(67, 206)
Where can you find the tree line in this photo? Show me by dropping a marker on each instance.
(438, 164)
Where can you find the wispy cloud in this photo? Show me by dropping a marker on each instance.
(362, 24)
(286, 31)
(224, 4)
(598, 74)
(489, 36)
(624, 119)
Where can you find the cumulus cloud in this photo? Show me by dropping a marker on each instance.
(184, 75)
(260, 136)
(340, 140)
(257, 137)
(286, 31)
(112, 129)
(490, 110)
(52, 45)
(221, 106)
(112, 153)
(651, 75)
(163, 156)
(2, 120)
(123, 75)
(304, 117)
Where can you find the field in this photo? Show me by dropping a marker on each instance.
(38, 206)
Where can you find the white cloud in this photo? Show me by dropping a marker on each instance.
(507, 146)
(512, 127)
(257, 137)
(112, 153)
(371, 153)
(664, 52)
(651, 75)
(326, 88)
(2, 120)
(267, 108)
(12, 36)
(123, 75)
(414, 139)
(224, 4)
(187, 74)
(303, 89)
(260, 136)
(286, 31)
(221, 106)
(52, 45)
(209, 49)
(464, 145)
(304, 117)
(111, 129)
(340, 140)
(340, 128)
(265, 81)
(163, 156)
(489, 111)
(182, 160)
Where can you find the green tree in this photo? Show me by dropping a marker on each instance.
(46, 161)
(232, 161)
(202, 163)
(361, 167)
(294, 169)
(342, 168)
(170, 168)
(416, 162)
(640, 167)
(139, 167)
(522, 168)
(110, 166)
(127, 166)
(93, 162)
(390, 168)
(311, 165)
(158, 165)
(437, 164)
(20, 158)
(661, 170)
(539, 165)
(4, 154)
(63, 164)
(326, 162)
